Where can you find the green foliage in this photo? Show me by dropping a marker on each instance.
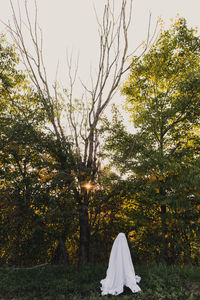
(163, 100)
(39, 209)
(41, 178)
(36, 206)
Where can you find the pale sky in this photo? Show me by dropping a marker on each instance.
(71, 24)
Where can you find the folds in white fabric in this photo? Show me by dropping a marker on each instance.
(120, 270)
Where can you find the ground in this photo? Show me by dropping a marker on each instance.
(58, 283)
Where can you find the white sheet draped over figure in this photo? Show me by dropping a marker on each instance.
(120, 270)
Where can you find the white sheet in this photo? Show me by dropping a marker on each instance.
(120, 270)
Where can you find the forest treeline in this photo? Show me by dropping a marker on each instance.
(61, 201)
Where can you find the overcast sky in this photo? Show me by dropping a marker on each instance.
(71, 24)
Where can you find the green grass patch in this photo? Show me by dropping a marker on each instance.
(57, 283)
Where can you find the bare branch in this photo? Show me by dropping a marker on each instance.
(34, 64)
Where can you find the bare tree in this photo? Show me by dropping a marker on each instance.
(112, 64)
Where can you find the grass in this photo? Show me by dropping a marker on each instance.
(59, 283)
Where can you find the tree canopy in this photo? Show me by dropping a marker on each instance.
(163, 101)
(60, 200)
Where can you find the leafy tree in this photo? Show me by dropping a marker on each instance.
(36, 206)
(163, 100)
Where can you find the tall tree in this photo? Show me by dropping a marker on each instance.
(18, 105)
(83, 115)
(163, 100)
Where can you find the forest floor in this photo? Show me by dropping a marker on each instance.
(59, 283)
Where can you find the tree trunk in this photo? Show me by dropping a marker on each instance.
(84, 233)
(164, 249)
(60, 255)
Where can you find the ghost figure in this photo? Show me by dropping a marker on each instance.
(120, 270)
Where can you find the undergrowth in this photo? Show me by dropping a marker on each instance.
(57, 283)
